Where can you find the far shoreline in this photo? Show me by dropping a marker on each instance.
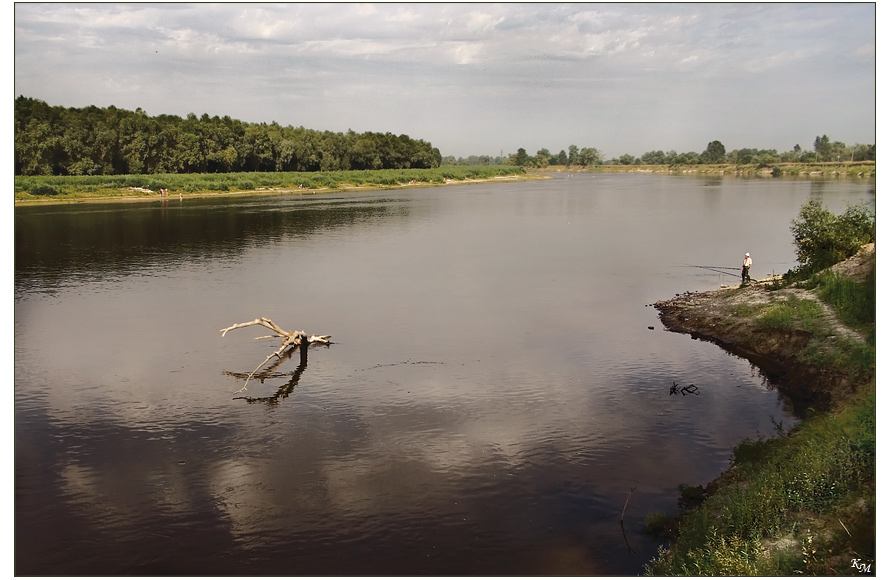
(79, 198)
(804, 171)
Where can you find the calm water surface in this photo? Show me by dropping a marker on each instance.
(492, 396)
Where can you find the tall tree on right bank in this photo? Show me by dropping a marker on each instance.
(715, 153)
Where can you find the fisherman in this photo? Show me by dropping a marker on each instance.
(746, 268)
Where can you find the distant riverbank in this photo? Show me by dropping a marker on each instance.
(42, 190)
(803, 170)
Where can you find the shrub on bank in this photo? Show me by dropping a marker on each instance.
(824, 239)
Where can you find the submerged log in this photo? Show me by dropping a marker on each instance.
(289, 340)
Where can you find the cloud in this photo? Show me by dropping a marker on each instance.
(866, 52)
(569, 71)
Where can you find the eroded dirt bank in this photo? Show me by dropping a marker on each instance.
(732, 318)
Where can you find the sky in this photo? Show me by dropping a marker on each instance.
(474, 79)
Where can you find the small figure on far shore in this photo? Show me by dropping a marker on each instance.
(746, 268)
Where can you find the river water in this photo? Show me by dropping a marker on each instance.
(493, 400)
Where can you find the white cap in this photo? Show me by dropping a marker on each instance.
(747, 254)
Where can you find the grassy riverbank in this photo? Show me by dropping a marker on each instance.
(135, 187)
(804, 501)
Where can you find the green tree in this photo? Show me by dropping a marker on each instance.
(573, 155)
(838, 151)
(822, 147)
(224, 161)
(653, 158)
(861, 152)
(626, 159)
(824, 239)
(589, 156)
(715, 153)
(35, 149)
(520, 158)
(688, 158)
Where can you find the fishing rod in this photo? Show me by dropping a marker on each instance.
(718, 269)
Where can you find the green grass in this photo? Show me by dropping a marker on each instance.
(42, 187)
(793, 312)
(842, 355)
(745, 310)
(853, 301)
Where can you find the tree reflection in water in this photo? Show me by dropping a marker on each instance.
(284, 390)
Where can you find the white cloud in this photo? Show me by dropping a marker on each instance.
(466, 52)
(481, 22)
(865, 52)
(578, 66)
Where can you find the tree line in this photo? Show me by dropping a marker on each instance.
(824, 150)
(54, 140)
(585, 157)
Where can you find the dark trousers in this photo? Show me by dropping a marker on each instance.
(745, 276)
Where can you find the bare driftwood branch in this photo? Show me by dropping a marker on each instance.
(288, 340)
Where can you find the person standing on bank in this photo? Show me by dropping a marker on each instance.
(746, 268)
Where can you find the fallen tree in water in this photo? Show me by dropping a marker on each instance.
(289, 340)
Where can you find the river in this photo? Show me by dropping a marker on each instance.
(492, 403)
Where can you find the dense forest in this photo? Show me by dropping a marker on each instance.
(54, 140)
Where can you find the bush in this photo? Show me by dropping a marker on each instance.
(824, 239)
(44, 189)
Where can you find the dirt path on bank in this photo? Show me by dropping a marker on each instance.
(731, 318)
